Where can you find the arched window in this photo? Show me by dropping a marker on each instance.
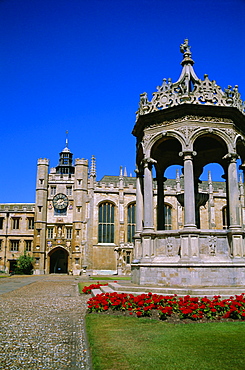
(106, 223)
(167, 216)
(131, 222)
(224, 217)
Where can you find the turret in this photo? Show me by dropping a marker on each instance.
(41, 213)
(65, 166)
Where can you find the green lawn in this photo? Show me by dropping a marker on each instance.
(100, 279)
(81, 286)
(114, 278)
(130, 343)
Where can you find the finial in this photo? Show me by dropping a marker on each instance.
(240, 177)
(185, 48)
(178, 187)
(209, 176)
(93, 166)
(66, 138)
(177, 175)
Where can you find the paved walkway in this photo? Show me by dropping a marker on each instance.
(42, 324)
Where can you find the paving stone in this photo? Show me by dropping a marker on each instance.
(42, 326)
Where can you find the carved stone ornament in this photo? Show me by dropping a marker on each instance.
(147, 161)
(147, 137)
(189, 89)
(187, 131)
(170, 247)
(231, 133)
(212, 245)
(196, 119)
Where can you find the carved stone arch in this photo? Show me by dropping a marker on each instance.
(211, 146)
(53, 247)
(131, 202)
(165, 149)
(58, 260)
(221, 134)
(151, 140)
(240, 148)
(106, 200)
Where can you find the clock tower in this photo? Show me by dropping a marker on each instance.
(59, 246)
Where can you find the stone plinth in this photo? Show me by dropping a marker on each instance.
(200, 258)
(189, 275)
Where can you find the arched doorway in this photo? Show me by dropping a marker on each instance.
(58, 261)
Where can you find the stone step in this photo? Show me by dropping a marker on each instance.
(94, 292)
(224, 292)
(106, 289)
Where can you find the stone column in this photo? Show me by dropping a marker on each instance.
(189, 191)
(160, 201)
(211, 210)
(179, 207)
(148, 228)
(242, 192)
(233, 191)
(139, 217)
(148, 193)
(139, 202)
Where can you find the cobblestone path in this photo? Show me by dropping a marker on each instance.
(42, 326)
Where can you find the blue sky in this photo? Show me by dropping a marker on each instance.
(80, 66)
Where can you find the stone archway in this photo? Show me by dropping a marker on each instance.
(58, 261)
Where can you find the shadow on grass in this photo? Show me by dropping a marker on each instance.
(118, 342)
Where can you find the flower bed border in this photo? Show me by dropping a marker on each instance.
(87, 289)
(167, 307)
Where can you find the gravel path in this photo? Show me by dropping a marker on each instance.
(42, 326)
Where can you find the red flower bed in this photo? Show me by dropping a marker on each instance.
(87, 289)
(187, 307)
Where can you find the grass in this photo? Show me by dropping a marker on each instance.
(114, 278)
(81, 286)
(128, 343)
(100, 279)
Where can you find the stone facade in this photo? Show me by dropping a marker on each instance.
(60, 230)
(16, 232)
(67, 240)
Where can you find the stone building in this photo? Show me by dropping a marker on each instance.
(76, 225)
(81, 225)
(181, 231)
(190, 123)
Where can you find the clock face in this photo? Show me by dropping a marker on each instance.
(60, 201)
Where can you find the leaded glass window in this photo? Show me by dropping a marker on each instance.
(168, 217)
(131, 222)
(106, 223)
